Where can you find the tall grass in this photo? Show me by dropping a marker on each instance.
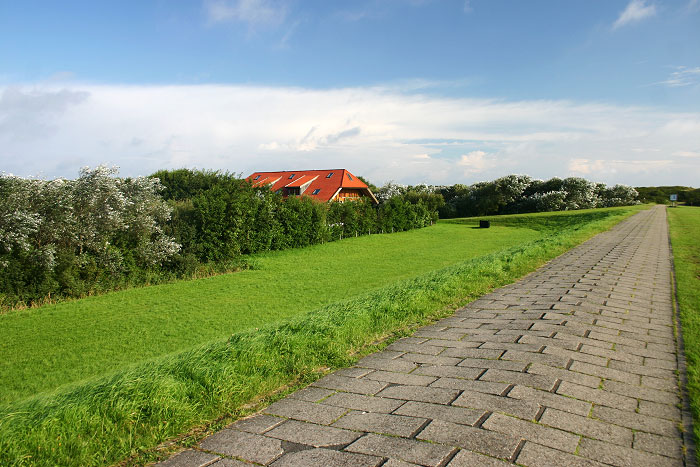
(684, 223)
(129, 412)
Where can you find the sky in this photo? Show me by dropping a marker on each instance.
(410, 91)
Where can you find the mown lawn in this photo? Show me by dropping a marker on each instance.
(44, 348)
(684, 223)
(298, 313)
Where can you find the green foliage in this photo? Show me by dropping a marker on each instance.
(521, 194)
(661, 194)
(684, 224)
(104, 420)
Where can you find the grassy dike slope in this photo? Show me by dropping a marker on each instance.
(106, 419)
(684, 224)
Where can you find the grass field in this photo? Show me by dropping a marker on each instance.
(684, 223)
(144, 386)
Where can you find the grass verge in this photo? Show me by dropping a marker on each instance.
(104, 420)
(684, 225)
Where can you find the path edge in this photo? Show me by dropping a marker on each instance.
(689, 454)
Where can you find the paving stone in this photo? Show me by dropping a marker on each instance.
(535, 455)
(257, 423)
(493, 364)
(669, 412)
(342, 383)
(325, 458)
(597, 396)
(248, 446)
(419, 393)
(487, 387)
(607, 373)
(363, 403)
(622, 456)
(387, 364)
(548, 399)
(564, 375)
(520, 408)
(408, 450)
(471, 459)
(396, 425)
(474, 439)
(398, 463)
(353, 372)
(640, 392)
(449, 371)
(471, 353)
(312, 434)
(663, 384)
(540, 434)
(312, 394)
(670, 447)
(305, 411)
(189, 458)
(442, 359)
(636, 421)
(225, 462)
(461, 415)
(525, 379)
(401, 378)
(587, 427)
(416, 348)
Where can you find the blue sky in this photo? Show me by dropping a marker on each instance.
(407, 90)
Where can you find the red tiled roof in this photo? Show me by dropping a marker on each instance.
(327, 186)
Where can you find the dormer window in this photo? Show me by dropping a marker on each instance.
(257, 177)
(291, 176)
(316, 191)
(350, 177)
(330, 174)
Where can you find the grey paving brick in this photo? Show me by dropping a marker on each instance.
(189, 458)
(548, 399)
(226, 462)
(564, 375)
(663, 384)
(612, 354)
(474, 439)
(471, 459)
(305, 411)
(312, 394)
(535, 455)
(416, 348)
(587, 427)
(525, 379)
(520, 408)
(257, 423)
(420, 393)
(462, 353)
(461, 415)
(396, 425)
(495, 364)
(597, 396)
(353, 372)
(669, 412)
(325, 458)
(641, 392)
(248, 446)
(670, 447)
(312, 434)
(401, 378)
(622, 456)
(636, 421)
(540, 434)
(363, 402)
(642, 369)
(408, 450)
(604, 372)
(356, 385)
(448, 371)
(487, 387)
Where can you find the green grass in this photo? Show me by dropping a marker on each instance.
(42, 349)
(107, 418)
(684, 223)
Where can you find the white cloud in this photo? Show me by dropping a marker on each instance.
(683, 76)
(253, 12)
(376, 132)
(635, 11)
(687, 153)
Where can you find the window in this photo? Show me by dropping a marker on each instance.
(316, 191)
(291, 176)
(257, 177)
(330, 174)
(350, 177)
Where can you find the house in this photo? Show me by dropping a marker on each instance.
(323, 185)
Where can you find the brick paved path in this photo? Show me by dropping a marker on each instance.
(573, 365)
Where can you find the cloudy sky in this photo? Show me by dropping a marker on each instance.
(415, 91)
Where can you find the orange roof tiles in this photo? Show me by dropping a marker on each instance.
(323, 184)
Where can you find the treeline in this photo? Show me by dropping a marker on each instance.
(662, 194)
(71, 238)
(515, 194)
(217, 216)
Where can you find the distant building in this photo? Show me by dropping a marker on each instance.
(323, 185)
